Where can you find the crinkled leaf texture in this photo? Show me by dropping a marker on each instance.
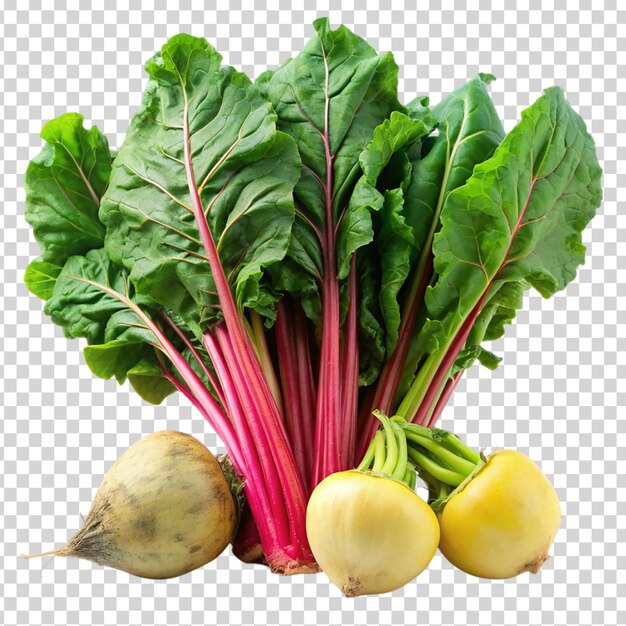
(338, 100)
(517, 221)
(64, 184)
(394, 239)
(118, 341)
(468, 131)
(244, 172)
(333, 94)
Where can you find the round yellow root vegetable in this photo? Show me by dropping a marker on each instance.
(504, 520)
(370, 533)
(163, 509)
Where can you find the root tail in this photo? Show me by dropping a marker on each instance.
(58, 552)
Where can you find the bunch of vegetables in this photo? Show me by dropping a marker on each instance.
(294, 254)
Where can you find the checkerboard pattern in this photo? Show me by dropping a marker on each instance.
(556, 396)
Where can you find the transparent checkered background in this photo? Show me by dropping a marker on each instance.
(555, 397)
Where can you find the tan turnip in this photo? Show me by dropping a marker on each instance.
(163, 509)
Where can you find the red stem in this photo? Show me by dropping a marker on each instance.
(442, 371)
(328, 416)
(263, 403)
(296, 375)
(350, 382)
(214, 382)
(444, 397)
(327, 437)
(255, 480)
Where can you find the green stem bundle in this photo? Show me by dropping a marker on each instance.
(399, 448)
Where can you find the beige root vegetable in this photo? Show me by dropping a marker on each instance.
(163, 509)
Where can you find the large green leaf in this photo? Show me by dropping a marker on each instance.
(243, 170)
(93, 298)
(517, 220)
(77, 303)
(395, 243)
(330, 99)
(468, 132)
(64, 184)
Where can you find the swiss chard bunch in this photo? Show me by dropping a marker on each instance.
(295, 253)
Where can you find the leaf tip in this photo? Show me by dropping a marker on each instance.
(53, 130)
(486, 78)
(175, 52)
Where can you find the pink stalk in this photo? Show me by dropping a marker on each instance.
(448, 361)
(387, 386)
(239, 399)
(214, 382)
(278, 489)
(272, 528)
(288, 349)
(328, 414)
(450, 386)
(461, 337)
(350, 382)
(265, 407)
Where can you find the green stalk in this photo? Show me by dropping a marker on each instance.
(446, 457)
(401, 465)
(379, 451)
(449, 477)
(433, 406)
(368, 458)
(388, 453)
(414, 396)
(454, 444)
(410, 477)
(442, 437)
(392, 446)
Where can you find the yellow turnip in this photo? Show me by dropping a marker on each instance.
(503, 521)
(370, 533)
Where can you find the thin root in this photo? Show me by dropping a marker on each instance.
(57, 552)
